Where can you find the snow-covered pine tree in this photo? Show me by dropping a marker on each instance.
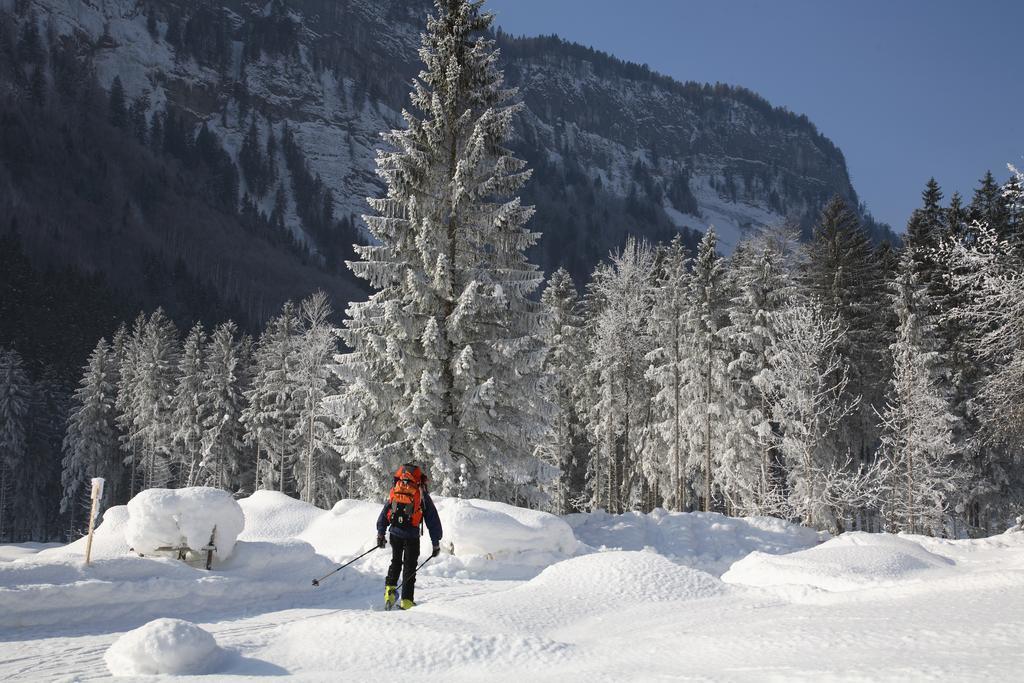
(563, 447)
(187, 408)
(919, 478)
(222, 400)
(91, 442)
(986, 271)
(618, 416)
(1013, 200)
(843, 273)
(127, 348)
(448, 352)
(270, 416)
(668, 323)
(316, 475)
(753, 480)
(39, 487)
(709, 396)
(988, 206)
(155, 378)
(15, 403)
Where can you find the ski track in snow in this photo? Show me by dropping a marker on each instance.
(648, 597)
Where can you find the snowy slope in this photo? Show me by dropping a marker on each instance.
(605, 113)
(631, 597)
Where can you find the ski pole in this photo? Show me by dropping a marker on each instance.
(316, 582)
(406, 578)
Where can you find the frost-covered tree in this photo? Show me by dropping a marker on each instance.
(147, 382)
(91, 442)
(563, 447)
(447, 353)
(709, 396)
(222, 399)
(270, 416)
(987, 272)
(127, 349)
(317, 478)
(919, 476)
(807, 385)
(618, 413)
(668, 326)
(15, 404)
(762, 288)
(188, 408)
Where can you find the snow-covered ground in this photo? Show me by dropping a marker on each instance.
(525, 596)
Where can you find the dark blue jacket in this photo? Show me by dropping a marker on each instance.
(429, 516)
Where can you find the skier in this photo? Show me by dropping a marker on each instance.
(408, 506)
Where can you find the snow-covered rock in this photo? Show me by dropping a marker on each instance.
(848, 562)
(160, 518)
(164, 646)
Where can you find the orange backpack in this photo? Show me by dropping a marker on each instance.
(406, 497)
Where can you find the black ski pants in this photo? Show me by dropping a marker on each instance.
(405, 555)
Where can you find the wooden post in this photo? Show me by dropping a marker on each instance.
(97, 494)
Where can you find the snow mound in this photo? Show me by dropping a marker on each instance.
(848, 562)
(61, 590)
(349, 528)
(625, 576)
(478, 531)
(707, 541)
(481, 527)
(172, 517)
(108, 539)
(164, 646)
(273, 516)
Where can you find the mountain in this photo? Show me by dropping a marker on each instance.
(213, 156)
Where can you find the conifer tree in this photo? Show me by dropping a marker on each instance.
(270, 416)
(91, 444)
(671, 304)
(447, 355)
(842, 273)
(563, 448)
(222, 399)
(709, 394)
(155, 379)
(118, 104)
(15, 404)
(618, 413)
(761, 291)
(317, 479)
(919, 477)
(126, 347)
(985, 273)
(988, 206)
(188, 407)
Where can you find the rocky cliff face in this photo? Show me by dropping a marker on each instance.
(616, 149)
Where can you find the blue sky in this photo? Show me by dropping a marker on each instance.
(907, 89)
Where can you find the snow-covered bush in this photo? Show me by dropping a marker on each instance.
(164, 646)
(159, 518)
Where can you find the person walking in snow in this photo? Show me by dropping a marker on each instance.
(407, 508)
